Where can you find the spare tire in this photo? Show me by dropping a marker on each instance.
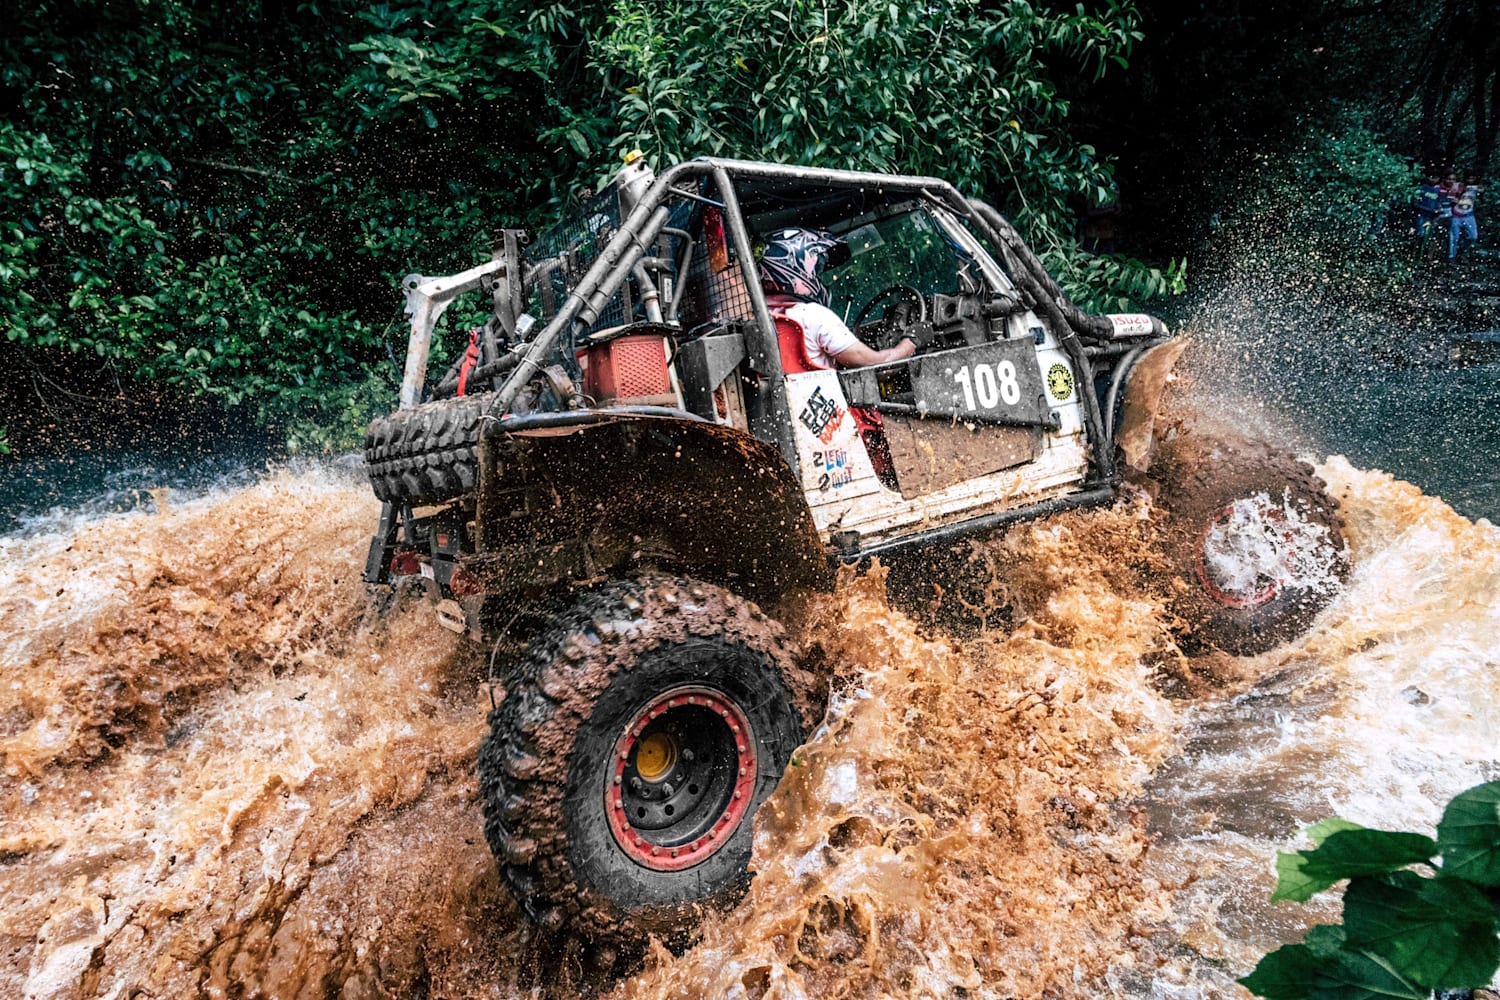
(1254, 538)
(427, 453)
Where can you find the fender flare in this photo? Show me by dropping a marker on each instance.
(1145, 384)
(643, 489)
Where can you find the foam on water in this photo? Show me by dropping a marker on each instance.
(223, 774)
(1262, 542)
(1380, 715)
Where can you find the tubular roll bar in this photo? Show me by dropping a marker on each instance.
(639, 228)
(428, 298)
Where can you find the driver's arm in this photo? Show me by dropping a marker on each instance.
(857, 355)
(835, 342)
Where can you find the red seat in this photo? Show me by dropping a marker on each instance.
(791, 337)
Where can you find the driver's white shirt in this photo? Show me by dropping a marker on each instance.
(824, 335)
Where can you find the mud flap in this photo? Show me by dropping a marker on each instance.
(705, 498)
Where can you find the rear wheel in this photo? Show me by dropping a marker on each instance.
(623, 769)
(1255, 540)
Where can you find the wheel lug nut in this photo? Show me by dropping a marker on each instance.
(667, 789)
(689, 756)
(635, 784)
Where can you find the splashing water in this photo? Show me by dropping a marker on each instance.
(223, 774)
(1259, 546)
(1382, 714)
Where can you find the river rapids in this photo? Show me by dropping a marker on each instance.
(225, 772)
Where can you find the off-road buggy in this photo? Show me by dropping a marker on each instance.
(632, 446)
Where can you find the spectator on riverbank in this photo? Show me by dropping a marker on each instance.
(1448, 189)
(1471, 183)
(1463, 215)
(1429, 201)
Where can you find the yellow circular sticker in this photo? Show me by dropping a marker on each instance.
(1059, 381)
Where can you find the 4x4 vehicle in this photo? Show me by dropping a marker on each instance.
(632, 447)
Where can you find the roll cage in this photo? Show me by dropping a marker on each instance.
(620, 248)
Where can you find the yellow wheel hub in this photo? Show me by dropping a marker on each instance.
(655, 756)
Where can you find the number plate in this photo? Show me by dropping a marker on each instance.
(996, 381)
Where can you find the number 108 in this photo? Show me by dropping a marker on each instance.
(987, 385)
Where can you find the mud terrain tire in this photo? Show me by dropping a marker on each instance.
(427, 453)
(1210, 489)
(623, 685)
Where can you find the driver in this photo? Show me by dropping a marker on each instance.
(790, 273)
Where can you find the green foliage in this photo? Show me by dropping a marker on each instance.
(1405, 933)
(223, 199)
(956, 89)
(1345, 850)
(188, 196)
(1470, 834)
(1114, 283)
(1436, 931)
(951, 87)
(1322, 967)
(337, 421)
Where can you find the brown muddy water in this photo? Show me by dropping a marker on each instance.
(222, 774)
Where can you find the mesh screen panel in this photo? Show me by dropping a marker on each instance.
(567, 251)
(715, 289)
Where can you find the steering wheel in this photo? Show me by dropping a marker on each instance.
(906, 292)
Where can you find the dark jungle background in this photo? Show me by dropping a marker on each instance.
(206, 207)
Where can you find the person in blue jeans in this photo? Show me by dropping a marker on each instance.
(1463, 216)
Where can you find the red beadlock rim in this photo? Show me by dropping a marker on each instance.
(694, 738)
(1236, 599)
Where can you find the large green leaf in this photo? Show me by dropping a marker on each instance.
(1321, 969)
(1351, 975)
(1323, 829)
(1469, 835)
(1325, 940)
(1285, 974)
(1346, 851)
(1437, 932)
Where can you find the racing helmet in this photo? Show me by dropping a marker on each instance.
(794, 259)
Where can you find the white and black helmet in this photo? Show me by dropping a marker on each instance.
(794, 260)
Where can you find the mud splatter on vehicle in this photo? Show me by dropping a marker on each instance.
(634, 471)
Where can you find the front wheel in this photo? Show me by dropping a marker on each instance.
(623, 769)
(1255, 540)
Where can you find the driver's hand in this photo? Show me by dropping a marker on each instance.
(920, 334)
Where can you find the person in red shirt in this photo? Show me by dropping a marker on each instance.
(1449, 189)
